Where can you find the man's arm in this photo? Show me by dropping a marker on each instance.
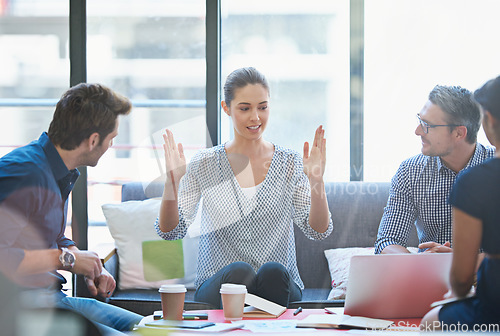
(394, 249)
(87, 263)
(39, 261)
(399, 215)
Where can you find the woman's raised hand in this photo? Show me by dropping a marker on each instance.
(175, 162)
(315, 160)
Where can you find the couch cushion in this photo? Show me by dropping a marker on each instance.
(139, 191)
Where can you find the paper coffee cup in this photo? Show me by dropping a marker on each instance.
(233, 301)
(172, 301)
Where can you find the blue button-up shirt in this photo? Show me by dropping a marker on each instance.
(34, 188)
(419, 196)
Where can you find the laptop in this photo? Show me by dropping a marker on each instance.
(396, 285)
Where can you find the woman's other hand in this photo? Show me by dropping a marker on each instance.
(175, 162)
(315, 160)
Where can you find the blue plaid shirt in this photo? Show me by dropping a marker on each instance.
(419, 195)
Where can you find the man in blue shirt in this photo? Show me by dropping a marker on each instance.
(35, 182)
(448, 126)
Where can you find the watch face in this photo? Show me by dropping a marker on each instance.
(68, 258)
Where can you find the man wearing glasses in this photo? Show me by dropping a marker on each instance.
(448, 126)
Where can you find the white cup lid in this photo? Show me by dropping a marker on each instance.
(228, 288)
(172, 289)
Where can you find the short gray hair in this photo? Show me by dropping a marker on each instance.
(460, 108)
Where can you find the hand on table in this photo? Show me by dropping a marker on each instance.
(432, 247)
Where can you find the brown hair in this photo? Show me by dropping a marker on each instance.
(240, 78)
(83, 110)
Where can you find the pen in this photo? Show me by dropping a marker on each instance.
(191, 318)
(296, 312)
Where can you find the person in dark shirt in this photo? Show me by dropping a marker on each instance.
(476, 224)
(35, 182)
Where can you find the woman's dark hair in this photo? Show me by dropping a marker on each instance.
(83, 110)
(488, 96)
(240, 78)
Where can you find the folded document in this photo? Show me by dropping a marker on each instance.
(342, 322)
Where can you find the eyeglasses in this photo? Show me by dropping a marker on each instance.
(425, 126)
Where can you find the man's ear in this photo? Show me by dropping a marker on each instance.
(461, 132)
(93, 141)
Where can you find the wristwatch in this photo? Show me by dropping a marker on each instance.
(67, 258)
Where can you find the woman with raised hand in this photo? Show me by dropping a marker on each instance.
(475, 198)
(253, 193)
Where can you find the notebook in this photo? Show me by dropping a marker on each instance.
(261, 308)
(396, 285)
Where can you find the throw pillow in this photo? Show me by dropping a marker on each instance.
(338, 263)
(145, 260)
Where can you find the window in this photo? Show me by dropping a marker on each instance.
(34, 67)
(410, 46)
(154, 53)
(303, 50)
